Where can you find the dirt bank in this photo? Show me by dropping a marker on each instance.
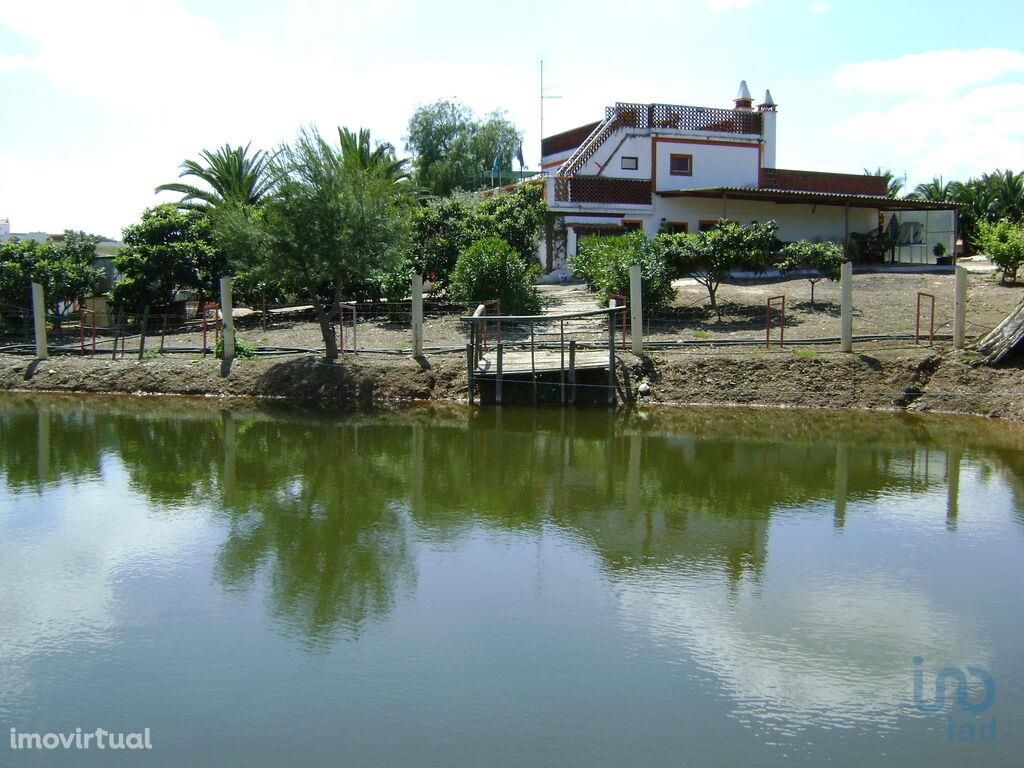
(882, 380)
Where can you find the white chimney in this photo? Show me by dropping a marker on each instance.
(743, 98)
(769, 114)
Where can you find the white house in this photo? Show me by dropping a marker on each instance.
(664, 167)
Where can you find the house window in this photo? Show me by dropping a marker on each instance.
(677, 227)
(706, 224)
(631, 225)
(681, 165)
(629, 163)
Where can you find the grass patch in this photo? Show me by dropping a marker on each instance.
(702, 334)
(805, 354)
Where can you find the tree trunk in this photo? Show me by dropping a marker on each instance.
(327, 331)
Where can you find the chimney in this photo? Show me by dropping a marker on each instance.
(743, 98)
(769, 113)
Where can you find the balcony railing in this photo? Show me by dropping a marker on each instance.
(685, 118)
(599, 189)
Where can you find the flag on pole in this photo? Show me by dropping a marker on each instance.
(496, 166)
(519, 156)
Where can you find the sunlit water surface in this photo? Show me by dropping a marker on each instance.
(268, 586)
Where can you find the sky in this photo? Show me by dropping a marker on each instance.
(100, 101)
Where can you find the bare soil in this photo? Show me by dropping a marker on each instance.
(896, 375)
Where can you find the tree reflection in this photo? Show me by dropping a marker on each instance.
(327, 512)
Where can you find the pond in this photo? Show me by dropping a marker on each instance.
(264, 585)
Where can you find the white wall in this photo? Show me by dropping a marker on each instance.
(714, 165)
(607, 161)
(796, 222)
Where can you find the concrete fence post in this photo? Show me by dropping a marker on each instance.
(846, 308)
(636, 314)
(417, 315)
(39, 316)
(960, 308)
(228, 319)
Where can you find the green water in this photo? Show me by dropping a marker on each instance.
(266, 586)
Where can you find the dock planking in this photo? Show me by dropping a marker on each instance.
(544, 361)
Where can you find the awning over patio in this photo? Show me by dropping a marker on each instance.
(784, 196)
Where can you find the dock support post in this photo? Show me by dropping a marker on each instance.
(39, 316)
(572, 371)
(611, 354)
(417, 315)
(960, 308)
(533, 362)
(229, 319)
(846, 308)
(561, 365)
(469, 370)
(497, 378)
(636, 310)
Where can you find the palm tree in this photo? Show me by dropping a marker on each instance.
(232, 175)
(936, 191)
(893, 184)
(357, 148)
(1007, 189)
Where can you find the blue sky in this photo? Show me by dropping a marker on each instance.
(102, 100)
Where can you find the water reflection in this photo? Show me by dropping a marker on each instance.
(717, 530)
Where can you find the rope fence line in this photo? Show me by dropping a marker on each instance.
(390, 328)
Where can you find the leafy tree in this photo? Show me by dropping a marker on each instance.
(453, 149)
(604, 262)
(893, 184)
(1003, 242)
(332, 225)
(517, 217)
(442, 229)
(491, 269)
(709, 256)
(170, 249)
(64, 269)
(822, 260)
(445, 228)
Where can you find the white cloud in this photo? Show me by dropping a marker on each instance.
(731, 5)
(819, 7)
(931, 72)
(944, 113)
(169, 83)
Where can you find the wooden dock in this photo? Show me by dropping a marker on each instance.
(540, 361)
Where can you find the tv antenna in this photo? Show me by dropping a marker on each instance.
(543, 97)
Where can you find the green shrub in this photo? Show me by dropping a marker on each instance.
(1003, 243)
(243, 349)
(709, 256)
(491, 269)
(604, 263)
(822, 260)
